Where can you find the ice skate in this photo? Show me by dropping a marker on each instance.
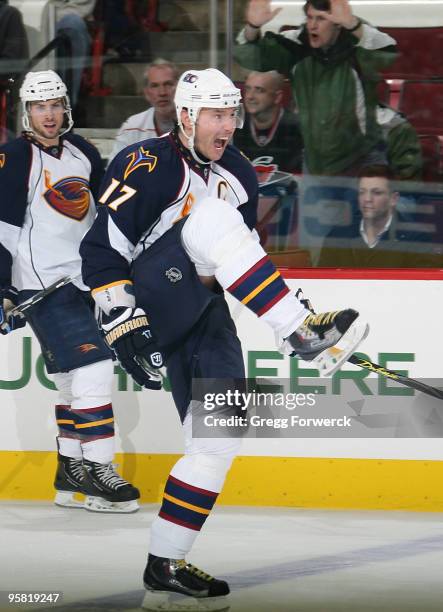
(106, 491)
(328, 339)
(68, 481)
(174, 584)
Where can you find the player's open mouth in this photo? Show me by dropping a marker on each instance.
(220, 143)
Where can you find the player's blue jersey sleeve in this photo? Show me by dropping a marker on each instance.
(234, 161)
(138, 185)
(97, 167)
(15, 165)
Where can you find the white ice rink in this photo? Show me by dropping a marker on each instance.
(274, 559)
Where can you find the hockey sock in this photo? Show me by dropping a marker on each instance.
(254, 281)
(190, 493)
(67, 441)
(219, 243)
(95, 428)
(92, 410)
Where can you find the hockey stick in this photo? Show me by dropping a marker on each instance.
(40, 295)
(403, 380)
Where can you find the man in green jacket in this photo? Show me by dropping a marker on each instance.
(404, 152)
(333, 62)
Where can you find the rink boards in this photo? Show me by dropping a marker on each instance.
(297, 470)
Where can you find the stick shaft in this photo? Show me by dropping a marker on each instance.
(40, 295)
(403, 380)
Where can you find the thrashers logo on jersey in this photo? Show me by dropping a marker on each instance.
(70, 196)
(138, 158)
(85, 348)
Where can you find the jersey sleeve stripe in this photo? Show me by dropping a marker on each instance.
(109, 285)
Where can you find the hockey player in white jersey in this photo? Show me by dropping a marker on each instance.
(175, 230)
(49, 180)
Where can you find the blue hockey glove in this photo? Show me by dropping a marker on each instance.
(128, 334)
(8, 322)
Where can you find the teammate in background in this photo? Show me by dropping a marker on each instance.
(332, 62)
(160, 79)
(49, 179)
(174, 230)
(270, 130)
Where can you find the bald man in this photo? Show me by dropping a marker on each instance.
(271, 134)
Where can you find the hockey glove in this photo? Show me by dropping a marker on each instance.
(9, 322)
(128, 334)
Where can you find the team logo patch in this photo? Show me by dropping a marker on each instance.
(174, 275)
(265, 168)
(190, 78)
(2, 160)
(69, 196)
(139, 158)
(157, 359)
(85, 348)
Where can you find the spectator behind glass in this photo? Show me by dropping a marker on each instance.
(159, 89)
(70, 18)
(403, 145)
(269, 129)
(14, 49)
(382, 242)
(332, 62)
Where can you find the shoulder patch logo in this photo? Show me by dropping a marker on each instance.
(138, 158)
(2, 159)
(174, 275)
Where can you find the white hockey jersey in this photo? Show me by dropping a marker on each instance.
(46, 207)
(135, 129)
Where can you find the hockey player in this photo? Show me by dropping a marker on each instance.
(49, 179)
(176, 228)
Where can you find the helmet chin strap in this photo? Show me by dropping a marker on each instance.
(191, 142)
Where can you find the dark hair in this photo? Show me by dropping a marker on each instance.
(318, 5)
(376, 170)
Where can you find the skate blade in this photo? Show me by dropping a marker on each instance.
(98, 504)
(66, 499)
(331, 359)
(162, 601)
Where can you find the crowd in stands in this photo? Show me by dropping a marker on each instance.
(328, 101)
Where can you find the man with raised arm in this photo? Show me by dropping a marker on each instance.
(332, 62)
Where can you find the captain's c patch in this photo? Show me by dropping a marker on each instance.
(2, 159)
